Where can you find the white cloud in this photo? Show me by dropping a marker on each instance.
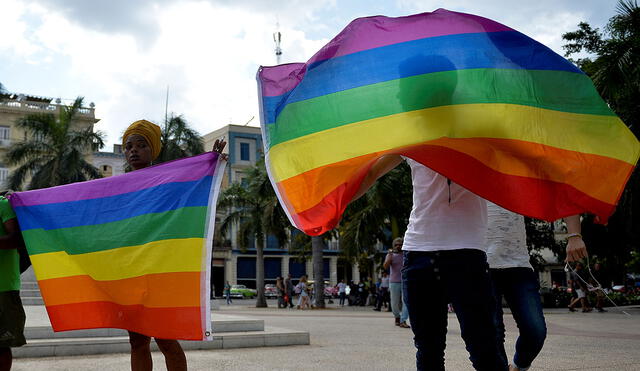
(122, 56)
(207, 53)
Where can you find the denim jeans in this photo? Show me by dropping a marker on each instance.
(431, 280)
(398, 306)
(521, 289)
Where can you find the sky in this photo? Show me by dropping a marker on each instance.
(122, 55)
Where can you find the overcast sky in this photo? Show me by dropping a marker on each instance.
(122, 54)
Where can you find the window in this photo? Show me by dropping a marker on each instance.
(245, 154)
(5, 132)
(4, 174)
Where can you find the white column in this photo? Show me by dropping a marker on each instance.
(309, 267)
(333, 270)
(231, 269)
(284, 268)
(355, 272)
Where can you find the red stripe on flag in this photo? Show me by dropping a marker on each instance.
(181, 323)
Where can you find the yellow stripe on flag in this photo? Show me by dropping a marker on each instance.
(600, 135)
(177, 255)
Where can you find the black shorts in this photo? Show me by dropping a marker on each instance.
(12, 319)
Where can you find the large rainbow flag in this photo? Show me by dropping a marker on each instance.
(131, 251)
(488, 107)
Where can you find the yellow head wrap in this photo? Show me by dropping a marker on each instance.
(149, 131)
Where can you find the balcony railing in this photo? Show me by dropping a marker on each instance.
(43, 107)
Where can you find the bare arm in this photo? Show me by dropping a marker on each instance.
(387, 261)
(576, 249)
(13, 238)
(382, 166)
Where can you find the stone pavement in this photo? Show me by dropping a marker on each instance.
(361, 339)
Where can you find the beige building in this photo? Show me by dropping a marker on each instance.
(15, 106)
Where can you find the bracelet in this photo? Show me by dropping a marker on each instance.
(574, 235)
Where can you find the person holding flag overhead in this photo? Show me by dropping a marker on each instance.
(142, 145)
(444, 249)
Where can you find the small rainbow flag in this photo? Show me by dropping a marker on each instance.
(484, 105)
(131, 251)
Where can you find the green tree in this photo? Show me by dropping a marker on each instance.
(54, 152)
(179, 140)
(382, 214)
(253, 208)
(614, 66)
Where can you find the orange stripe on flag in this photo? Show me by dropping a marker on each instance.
(507, 156)
(176, 289)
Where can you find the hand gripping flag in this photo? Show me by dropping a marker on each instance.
(480, 103)
(131, 251)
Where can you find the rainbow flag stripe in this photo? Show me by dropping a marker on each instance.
(130, 251)
(488, 107)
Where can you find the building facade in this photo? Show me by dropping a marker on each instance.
(14, 106)
(110, 163)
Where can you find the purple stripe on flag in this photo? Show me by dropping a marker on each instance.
(183, 170)
(374, 32)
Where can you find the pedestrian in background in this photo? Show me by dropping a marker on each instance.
(393, 262)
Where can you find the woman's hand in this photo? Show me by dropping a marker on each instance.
(218, 146)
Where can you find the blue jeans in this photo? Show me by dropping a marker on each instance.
(521, 289)
(433, 279)
(398, 306)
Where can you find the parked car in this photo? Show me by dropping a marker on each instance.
(242, 292)
(270, 291)
(330, 292)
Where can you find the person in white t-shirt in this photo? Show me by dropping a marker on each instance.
(514, 279)
(342, 292)
(444, 256)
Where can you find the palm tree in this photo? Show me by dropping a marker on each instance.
(317, 247)
(54, 154)
(254, 209)
(179, 140)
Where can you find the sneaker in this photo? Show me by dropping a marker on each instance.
(403, 325)
(571, 309)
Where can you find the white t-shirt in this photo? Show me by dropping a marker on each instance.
(506, 239)
(342, 287)
(445, 216)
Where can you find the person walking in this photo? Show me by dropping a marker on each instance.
(227, 293)
(12, 316)
(578, 283)
(304, 300)
(288, 288)
(514, 279)
(393, 262)
(342, 292)
(280, 293)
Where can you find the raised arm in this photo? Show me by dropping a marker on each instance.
(382, 166)
(576, 249)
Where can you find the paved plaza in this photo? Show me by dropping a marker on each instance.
(358, 338)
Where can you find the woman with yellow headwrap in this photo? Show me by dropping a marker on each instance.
(142, 145)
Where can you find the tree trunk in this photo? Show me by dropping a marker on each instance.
(317, 246)
(261, 301)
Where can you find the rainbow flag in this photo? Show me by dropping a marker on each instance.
(131, 251)
(484, 105)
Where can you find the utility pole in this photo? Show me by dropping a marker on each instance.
(277, 38)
